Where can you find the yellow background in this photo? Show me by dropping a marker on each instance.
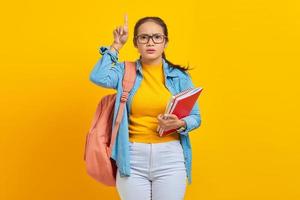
(246, 55)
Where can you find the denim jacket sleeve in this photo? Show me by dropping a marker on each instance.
(107, 71)
(193, 120)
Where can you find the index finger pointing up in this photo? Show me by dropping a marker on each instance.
(126, 20)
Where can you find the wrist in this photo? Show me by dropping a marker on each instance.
(182, 123)
(116, 45)
(182, 126)
(112, 48)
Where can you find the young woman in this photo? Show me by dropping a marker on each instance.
(149, 166)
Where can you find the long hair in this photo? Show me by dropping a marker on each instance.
(160, 22)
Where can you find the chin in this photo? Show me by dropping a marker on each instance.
(150, 56)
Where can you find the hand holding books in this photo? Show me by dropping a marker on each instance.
(169, 121)
(179, 105)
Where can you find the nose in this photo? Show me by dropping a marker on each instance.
(150, 41)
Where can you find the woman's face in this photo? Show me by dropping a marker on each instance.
(150, 28)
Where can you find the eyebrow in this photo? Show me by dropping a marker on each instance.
(149, 34)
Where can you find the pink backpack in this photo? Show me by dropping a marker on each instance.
(101, 137)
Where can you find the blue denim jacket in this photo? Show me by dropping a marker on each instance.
(108, 73)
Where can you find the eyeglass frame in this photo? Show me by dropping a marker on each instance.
(151, 37)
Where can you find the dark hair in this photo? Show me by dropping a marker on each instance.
(160, 22)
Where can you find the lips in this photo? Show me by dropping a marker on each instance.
(150, 50)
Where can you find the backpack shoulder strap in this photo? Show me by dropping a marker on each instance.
(128, 83)
(129, 76)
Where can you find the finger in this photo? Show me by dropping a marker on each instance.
(116, 32)
(119, 30)
(125, 27)
(161, 119)
(164, 117)
(126, 20)
(170, 116)
(159, 116)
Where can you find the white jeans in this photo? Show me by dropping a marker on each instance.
(157, 172)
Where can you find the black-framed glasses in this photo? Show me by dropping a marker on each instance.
(156, 38)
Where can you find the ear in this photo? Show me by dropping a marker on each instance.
(166, 44)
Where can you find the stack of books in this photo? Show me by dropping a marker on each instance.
(180, 105)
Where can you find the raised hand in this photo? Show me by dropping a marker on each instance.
(121, 33)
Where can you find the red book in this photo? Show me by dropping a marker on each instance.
(181, 105)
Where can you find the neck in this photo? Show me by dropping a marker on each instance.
(156, 61)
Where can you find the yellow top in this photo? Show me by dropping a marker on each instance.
(150, 99)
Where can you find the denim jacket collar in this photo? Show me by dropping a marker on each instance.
(168, 70)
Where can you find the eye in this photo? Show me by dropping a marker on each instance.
(144, 36)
